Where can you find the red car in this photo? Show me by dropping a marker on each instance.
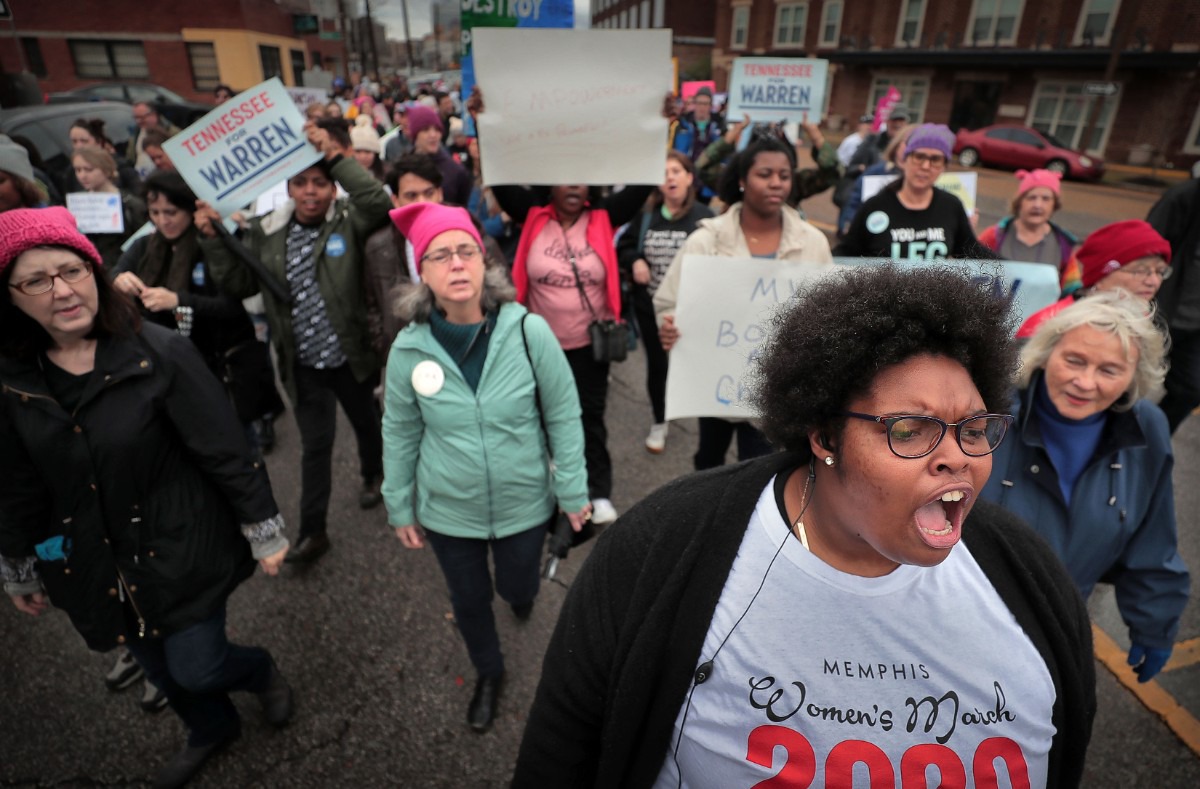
(1017, 147)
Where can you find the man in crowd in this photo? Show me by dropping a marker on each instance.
(849, 146)
(426, 131)
(147, 118)
(696, 130)
(312, 247)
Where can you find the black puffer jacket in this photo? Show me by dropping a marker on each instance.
(150, 479)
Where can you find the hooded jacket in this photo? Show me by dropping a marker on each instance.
(475, 463)
(149, 478)
(1120, 525)
(339, 269)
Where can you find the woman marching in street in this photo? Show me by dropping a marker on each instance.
(1029, 235)
(842, 611)
(477, 390)
(97, 172)
(644, 253)
(1089, 464)
(760, 224)
(130, 498)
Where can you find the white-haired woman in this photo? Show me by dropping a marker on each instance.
(1089, 466)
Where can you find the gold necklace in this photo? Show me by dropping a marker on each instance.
(798, 526)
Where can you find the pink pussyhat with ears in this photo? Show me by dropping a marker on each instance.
(1032, 179)
(421, 223)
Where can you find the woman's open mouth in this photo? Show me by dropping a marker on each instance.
(939, 523)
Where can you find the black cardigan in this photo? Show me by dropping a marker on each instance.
(629, 637)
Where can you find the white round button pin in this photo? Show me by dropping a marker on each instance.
(428, 377)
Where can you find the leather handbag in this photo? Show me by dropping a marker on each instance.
(610, 339)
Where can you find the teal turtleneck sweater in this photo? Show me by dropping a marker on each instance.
(467, 343)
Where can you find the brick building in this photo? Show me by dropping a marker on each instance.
(187, 47)
(977, 62)
(691, 22)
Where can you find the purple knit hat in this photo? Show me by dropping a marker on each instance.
(22, 229)
(933, 136)
(421, 118)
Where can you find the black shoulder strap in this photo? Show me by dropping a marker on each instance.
(537, 396)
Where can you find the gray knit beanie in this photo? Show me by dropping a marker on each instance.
(14, 158)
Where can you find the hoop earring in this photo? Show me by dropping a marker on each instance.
(829, 461)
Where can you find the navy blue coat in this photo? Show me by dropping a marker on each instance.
(1120, 525)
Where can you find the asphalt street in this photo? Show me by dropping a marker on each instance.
(382, 679)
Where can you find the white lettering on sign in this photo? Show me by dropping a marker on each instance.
(518, 9)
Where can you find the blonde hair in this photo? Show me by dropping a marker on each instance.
(99, 158)
(1116, 312)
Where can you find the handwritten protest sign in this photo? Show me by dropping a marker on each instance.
(594, 118)
(97, 212)
(724, 311)
(777, 89)
(304, 97)
(964, 186)
(243, 147)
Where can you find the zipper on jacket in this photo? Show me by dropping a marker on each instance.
(137, 611)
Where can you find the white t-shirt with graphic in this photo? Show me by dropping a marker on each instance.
(833, 680)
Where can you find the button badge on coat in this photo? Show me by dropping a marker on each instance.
(428, 377)
(335, 247)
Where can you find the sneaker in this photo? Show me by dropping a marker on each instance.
(124, 673)
(153, 699)
(603, 512)
(656, 441)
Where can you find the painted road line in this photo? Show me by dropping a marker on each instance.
(1187, 653)
(1151, 694)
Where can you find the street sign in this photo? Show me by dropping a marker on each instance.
(1100, 88)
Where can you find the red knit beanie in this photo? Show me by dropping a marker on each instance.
(22, 229)
(421, 223)
(1116, 245)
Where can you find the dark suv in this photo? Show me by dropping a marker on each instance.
(48, 126)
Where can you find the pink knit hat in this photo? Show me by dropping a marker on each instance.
(22, 229)
(1032, 179)
(421, 223)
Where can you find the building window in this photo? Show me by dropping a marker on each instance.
(1192, 143)
(1096, 22)
(271, 65)
(203, 57)
(994, 21)
(831, 24)
(741, 24)
(298, 66)
(624, 19)
(912, 14)
(658, 13)
(646, 22)
(789, 24)
(1061, 110)
(633, 17)
(109, 59)
(913, 91)
(33, 56)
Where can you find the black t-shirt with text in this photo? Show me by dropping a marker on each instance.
(884, 228)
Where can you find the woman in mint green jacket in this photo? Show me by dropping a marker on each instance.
(479, 398)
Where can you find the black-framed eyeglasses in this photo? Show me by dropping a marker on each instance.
(44, 283)
(915, 436)
(467, 253)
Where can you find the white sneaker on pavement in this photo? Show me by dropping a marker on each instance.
(656, 441)
(603, 512)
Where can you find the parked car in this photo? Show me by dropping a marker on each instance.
(48, 127)
(1022, 147)
(169, 104)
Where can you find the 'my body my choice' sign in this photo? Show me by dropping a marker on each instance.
(243, 147)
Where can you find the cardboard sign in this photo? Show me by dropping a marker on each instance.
(777, 89)
(594, 118)
(303, 98)
(243, 147)
(725, 306)
(962, 185)
(97, 212)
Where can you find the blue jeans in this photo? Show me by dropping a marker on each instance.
(464, 562)
(197, 668)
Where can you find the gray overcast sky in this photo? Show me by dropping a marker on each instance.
(388, 12)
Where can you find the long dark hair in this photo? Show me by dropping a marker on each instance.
(21, 337)
(729, 190)
(168, 184)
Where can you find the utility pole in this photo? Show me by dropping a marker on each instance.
(345, 38)
(371, 38)
(437, 41)
(407, 36)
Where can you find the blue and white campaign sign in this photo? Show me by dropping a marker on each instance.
(243, 147)
(777, 89)
(725, 308)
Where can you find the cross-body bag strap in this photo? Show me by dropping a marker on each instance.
(575, 269)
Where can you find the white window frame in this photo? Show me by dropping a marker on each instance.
(1115, 102)
(968, 39)
(916, 39)
(905, 83)
(796, 8)
(1103, 40)
(744, 11)
(1192, 143)
(837, 33)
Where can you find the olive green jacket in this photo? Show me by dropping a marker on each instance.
(339, 267)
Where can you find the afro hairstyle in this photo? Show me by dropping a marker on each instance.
(829, 345)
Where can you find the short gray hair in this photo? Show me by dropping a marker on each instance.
(413, 301)
(1116, 312)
